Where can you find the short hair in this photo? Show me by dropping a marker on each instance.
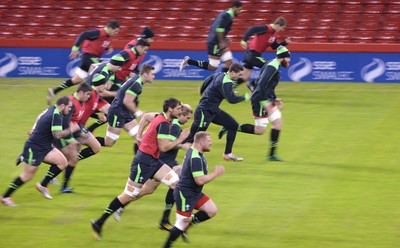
(63, 100)
(170, 103)
(113, 24)
(84, 87)
(201, 135)
(146, 68)
(142, 42)
(186, 109)
(236, 67)
(281, 21)
(237, 4)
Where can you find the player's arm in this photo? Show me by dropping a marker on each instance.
(198, 174)
(86, 35)
(57, 127)
(275, 45)
(266, 84)
(144, 122)
(166, 141)
(129, 101)
(229, 94)
(253, 31)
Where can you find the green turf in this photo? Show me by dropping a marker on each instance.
(338, 187)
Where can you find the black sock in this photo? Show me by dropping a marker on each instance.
(95, 125)
(225, 69)
(67, 175)
(198, 63)
(274, 140)
(173, 235)
(169, 202)
(85, 153)
(114, 206)
(51, 173)
(66, 84)
(14, 185)
(200, 217)
(101, 141)
(230, 139)
(246, 128)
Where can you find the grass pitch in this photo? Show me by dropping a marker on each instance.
(338, 187)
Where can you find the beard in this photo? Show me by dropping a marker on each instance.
(284, 63)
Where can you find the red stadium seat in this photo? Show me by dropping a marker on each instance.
(344, 25)
(363, 36)
(385, 36)
(348, 17)
(284, 8)
(340, 35)
(391, 26)
(393, 9)
(351, 8)
(371, 17)
(307, 7)
(327, 16)
(154, 5)
(368, 25)
(330, 8)
(320, 36)
(373, 8)
(298, 35)
(323, 25)
(304, 16)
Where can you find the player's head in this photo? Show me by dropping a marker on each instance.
(186, 114)
(64, 104)
(142, 46)
(237, 6)
(112, 28)
(147, 34)
(147, 73)
(280, 24)
(235, 71)
(283, 54)
(172, 107)
(99, 82)
(116, 62)
(202, 141)
(83, 92)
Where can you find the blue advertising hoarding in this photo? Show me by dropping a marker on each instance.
(304, 67)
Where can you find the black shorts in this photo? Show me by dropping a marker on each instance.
(143, 167)
(117, 117)
(252, 59)
(33, 154)
(87, 60)
(213, 49)
(186, 201)
(202, 119)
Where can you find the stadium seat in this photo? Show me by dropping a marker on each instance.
(344, 25)
(307, 7)
(373, 8)
(154, 5)
(392, 9)
(323, 26)
(341, 36)
(370, 17)
(329, 7)
(284, 8)
(390, 26)
(386, 36)
(327, 16)
(348, 17)
(368, 25)
(351, 8)
(363, 36)
(320, 36)
(299, 35)
(304, 16)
